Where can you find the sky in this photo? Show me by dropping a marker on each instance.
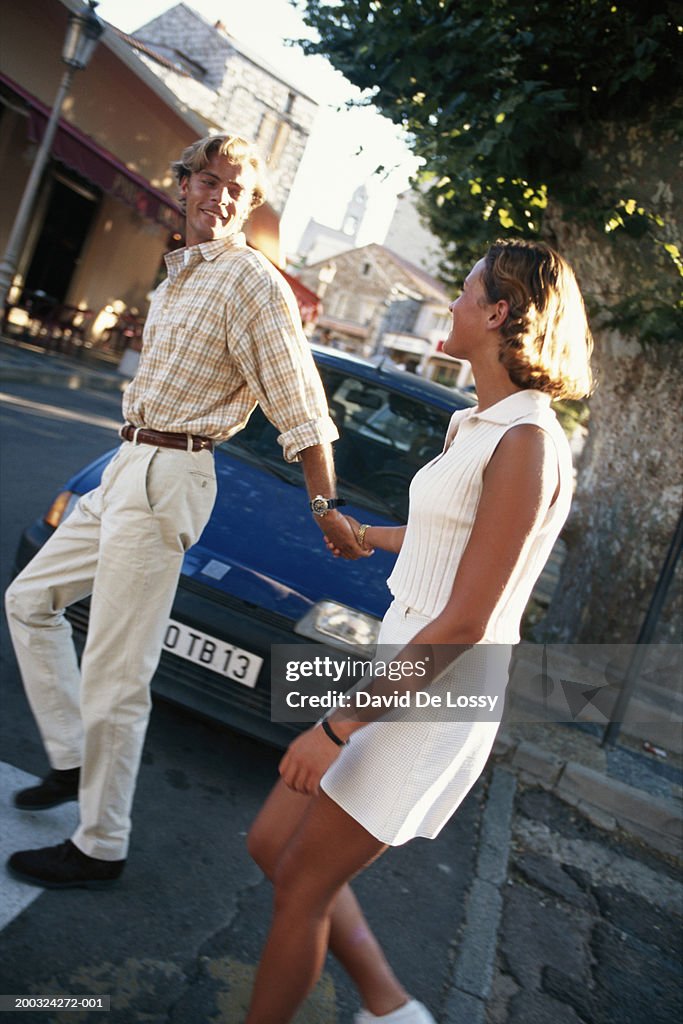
(345, 147)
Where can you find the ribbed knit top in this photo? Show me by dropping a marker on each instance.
(444, 496)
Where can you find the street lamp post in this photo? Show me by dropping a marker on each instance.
(82, 35)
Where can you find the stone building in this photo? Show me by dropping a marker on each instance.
(375, 302)
(230, 86)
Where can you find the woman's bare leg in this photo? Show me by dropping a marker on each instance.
(317, 904)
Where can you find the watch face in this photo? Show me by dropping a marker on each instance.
(319, 506)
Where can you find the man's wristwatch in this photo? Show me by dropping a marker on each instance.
(320, 506)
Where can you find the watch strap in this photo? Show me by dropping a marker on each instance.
(320, 505)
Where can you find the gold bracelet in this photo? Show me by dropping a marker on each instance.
(361, 534)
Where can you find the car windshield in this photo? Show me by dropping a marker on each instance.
(384, 438)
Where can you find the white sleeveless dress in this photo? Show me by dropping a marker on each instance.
(402, 779)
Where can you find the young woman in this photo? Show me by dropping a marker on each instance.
(483, 518)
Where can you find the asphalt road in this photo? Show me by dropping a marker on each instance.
(178, 940)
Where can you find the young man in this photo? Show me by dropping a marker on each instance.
(223, 333)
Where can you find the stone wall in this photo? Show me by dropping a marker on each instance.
(247, 97)
(362, 283)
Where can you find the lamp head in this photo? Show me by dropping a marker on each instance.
(82, 35)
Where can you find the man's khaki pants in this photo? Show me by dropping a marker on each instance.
(124, 544)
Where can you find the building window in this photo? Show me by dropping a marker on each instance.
(367, 311)
(196, 69)
(266, 129)
(352, 309)
(401, 316)
(367, 267)
(272, 137)
(279, 143)
(338, 305)
(289, 102)
(447, 375)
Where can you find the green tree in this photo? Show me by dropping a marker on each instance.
(561, 121)
(498, 99)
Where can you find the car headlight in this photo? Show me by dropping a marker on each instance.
(337, 624)
(60, 508)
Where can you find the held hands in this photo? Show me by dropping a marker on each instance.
(307, 759)
(341, 535)
(336, 549)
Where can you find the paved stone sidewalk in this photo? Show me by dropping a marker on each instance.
(591, 930)
(617, 788)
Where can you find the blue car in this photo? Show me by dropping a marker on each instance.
(260, 573)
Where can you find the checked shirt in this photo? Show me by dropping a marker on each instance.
(224, 333)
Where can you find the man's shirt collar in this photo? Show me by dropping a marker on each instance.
(181, 258)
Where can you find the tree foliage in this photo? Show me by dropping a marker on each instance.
(505, 101)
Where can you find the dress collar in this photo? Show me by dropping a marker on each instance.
(515, 407)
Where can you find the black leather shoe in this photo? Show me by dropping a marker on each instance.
(64, 867)
(56, 788)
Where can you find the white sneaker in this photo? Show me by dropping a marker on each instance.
(411, 1012)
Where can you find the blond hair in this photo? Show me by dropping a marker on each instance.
(238, 150)
(546, 341)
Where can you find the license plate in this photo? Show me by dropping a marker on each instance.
(216, 655)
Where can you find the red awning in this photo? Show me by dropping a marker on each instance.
(309, 304)
(82, 154)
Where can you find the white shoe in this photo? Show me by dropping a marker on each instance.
(411, 1012)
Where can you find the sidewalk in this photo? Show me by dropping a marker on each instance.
(23, 360)
(575, 913)
(565, 923)
(616, 788)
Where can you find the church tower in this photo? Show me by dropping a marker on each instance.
(355, 212)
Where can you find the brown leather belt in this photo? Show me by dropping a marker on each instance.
(164, 439)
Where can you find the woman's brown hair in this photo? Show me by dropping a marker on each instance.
(546, 340)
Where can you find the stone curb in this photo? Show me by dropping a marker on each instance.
(473, 970)
(607, 802)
